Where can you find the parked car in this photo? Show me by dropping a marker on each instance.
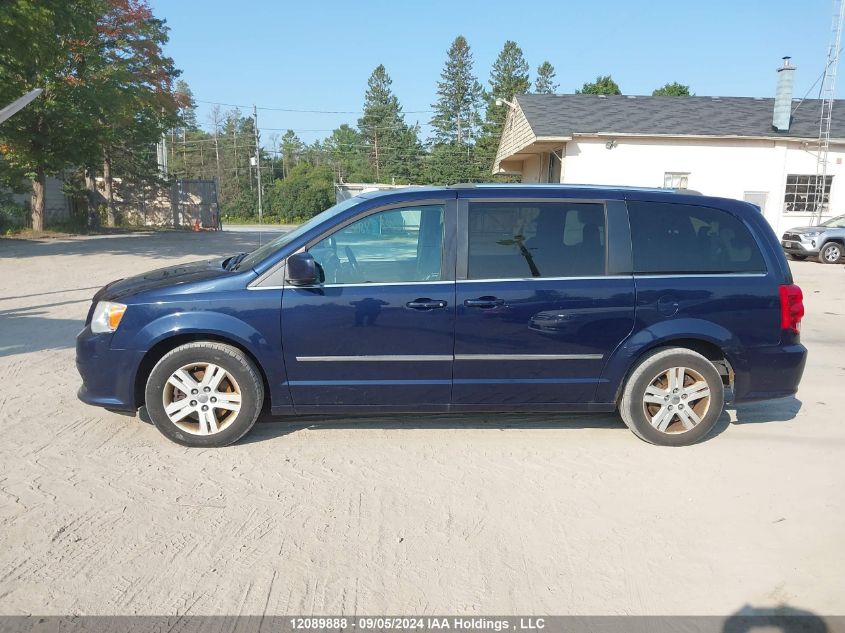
(462, 299)
(825, 241)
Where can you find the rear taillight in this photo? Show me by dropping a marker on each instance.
(791, 307)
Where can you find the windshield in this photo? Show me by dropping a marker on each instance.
(271, 248)
(835, 223)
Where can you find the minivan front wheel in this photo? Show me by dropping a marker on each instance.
(673, 397)
(204, 394)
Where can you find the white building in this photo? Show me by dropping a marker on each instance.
(760, 150)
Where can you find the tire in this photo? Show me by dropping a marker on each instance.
(654, 373)
(831, 253)
(799, 258)
(180, 385)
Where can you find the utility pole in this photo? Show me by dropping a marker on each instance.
(378, 170)
(235, 143)
(257, 164)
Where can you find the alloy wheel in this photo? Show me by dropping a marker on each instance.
(202, 398)
(676, 400)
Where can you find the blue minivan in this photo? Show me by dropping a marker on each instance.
(459, 299)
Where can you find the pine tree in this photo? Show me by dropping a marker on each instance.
(459, 97)
(545, 82)
(292, 150)
(392, 144)
(508, 77)
(187, 105)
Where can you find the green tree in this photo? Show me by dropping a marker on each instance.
(46, 45)
(673, 89)
(603, 85)
(392, 144)
(459, 97)
(186, 104)
(545, 84)
(307, 190)
(508, 77)
(450, 163)
(131, 93)
(292, 151)
(349, 162)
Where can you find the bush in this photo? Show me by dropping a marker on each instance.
(12, 217)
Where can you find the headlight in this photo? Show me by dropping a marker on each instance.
(107, 316)
(812, 233)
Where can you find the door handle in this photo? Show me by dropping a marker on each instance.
(484, 302)
(426, 304)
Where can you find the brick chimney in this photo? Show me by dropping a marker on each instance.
(783, 97)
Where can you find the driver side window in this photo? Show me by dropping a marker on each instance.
(399, 245)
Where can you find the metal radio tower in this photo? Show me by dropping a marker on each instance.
(828, 93)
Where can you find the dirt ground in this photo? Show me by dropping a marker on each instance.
(491, 514)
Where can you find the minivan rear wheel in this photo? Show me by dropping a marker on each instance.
(204, 394)
(673, 397)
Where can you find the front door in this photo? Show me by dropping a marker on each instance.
(537, 312)
(378, 331)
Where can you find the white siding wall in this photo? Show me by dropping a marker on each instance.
(727, 168)
(515, 135)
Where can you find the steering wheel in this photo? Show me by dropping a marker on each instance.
(353, 262)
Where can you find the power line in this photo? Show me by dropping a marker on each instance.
(298, 111)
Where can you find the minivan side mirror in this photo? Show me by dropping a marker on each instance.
(301, 269)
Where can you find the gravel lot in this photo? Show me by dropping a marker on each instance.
(99, 514)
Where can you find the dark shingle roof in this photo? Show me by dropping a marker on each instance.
(564, 115)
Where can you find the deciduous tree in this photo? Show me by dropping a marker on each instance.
(673, 89)
(603, 85)
(46, 45)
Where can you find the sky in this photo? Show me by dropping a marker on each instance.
(318, 54)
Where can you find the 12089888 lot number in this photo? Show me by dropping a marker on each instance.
(318, 623)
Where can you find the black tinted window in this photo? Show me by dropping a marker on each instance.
(683, 238)
(511, 240)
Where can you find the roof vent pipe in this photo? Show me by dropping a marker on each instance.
(783, 97)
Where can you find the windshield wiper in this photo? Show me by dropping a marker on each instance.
(231, 263)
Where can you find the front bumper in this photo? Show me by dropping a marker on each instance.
(108, 375)
(800, 245)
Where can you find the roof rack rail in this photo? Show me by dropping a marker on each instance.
(564, 185)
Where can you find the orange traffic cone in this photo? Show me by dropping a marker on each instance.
(196, 224)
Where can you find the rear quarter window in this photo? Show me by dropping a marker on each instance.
(672, 238)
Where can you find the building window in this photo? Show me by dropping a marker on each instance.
(801, 193)
(676, 180)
